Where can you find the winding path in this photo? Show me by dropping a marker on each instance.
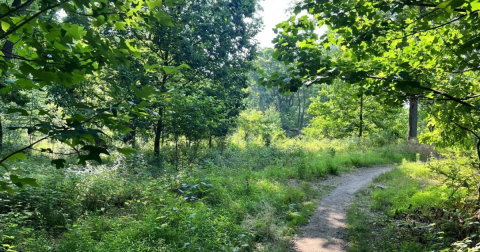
(327, 229)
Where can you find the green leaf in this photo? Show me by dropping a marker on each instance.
(475, 5)
(297, 10)
(23, 112)
(30, 181)
(151, 67)
(451, 5)
(444, 4)
(127, 151)
(169, 70)
(4, 166)
(120, 26)
(169, 3)
(100, 20)
(123, 129)
(164, 18)
(154, 4)
(17, 156)
(59, 163)
(42, 112)
(94, 154)
(145, 92)
(5, 26)
(76, 31)
(21, 181)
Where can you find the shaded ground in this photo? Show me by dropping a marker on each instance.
(327, 229)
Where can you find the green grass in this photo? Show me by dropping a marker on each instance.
(237, 199)
(424, 207)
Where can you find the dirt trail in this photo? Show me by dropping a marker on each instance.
(327, 229)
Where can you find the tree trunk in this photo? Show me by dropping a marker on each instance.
(478, 155)
(210, 142)
(299, 119)
(176, 152)
(7, 48)
(158, 132)
(413, 118)
(134, 134)
(7, 51)
(1, 135)
(304, 108)
(261, 102)
(360, 131)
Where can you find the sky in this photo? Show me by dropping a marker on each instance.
(273, 14)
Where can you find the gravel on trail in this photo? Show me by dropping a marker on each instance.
(327, 228)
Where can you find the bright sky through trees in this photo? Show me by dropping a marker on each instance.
(273, 14)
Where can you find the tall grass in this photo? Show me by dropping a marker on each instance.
(420, 207)
(228, 198)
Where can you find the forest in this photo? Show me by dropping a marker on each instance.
(162, 125)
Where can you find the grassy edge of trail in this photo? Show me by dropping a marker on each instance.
(417, 207)
(243, 200)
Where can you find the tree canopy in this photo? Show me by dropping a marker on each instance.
(167, 67)
(396, 49)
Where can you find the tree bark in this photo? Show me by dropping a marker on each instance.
(7, 51)
(413, 118)
(1, 135)
(299, 119)
(7, 48)
(360, 131)
(478, 155)
(158, 132)
(134, 134)
(176, 152)
(261, 95)
(304, 108)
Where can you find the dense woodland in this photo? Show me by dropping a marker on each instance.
(160, 125)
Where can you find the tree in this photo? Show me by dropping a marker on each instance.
(47, 53)
(427, 50)
(215, 40)
(292, 107)
(254, 124)
(342, 111)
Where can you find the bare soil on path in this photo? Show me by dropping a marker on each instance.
(327, 228)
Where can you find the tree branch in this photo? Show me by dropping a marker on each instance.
(475, 134)
(26, 4)
(450, 97)
(91, 15)
(25, 148)
(10, 31)
(467, 129)
(433, 6)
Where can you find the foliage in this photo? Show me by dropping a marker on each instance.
(107, 71)
(48, 53)
(292, 106)
(254, 124)
(397, 50)
(337, 115)
(247, 196)
(415, 212)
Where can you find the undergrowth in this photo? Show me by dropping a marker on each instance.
(429, 206)
(224, 199)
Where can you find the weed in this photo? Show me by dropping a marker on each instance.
(233, 199)
(418, 212)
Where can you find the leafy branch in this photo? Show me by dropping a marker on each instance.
(432, 6)
(16, 27)
(23, 149)
(10, 12)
